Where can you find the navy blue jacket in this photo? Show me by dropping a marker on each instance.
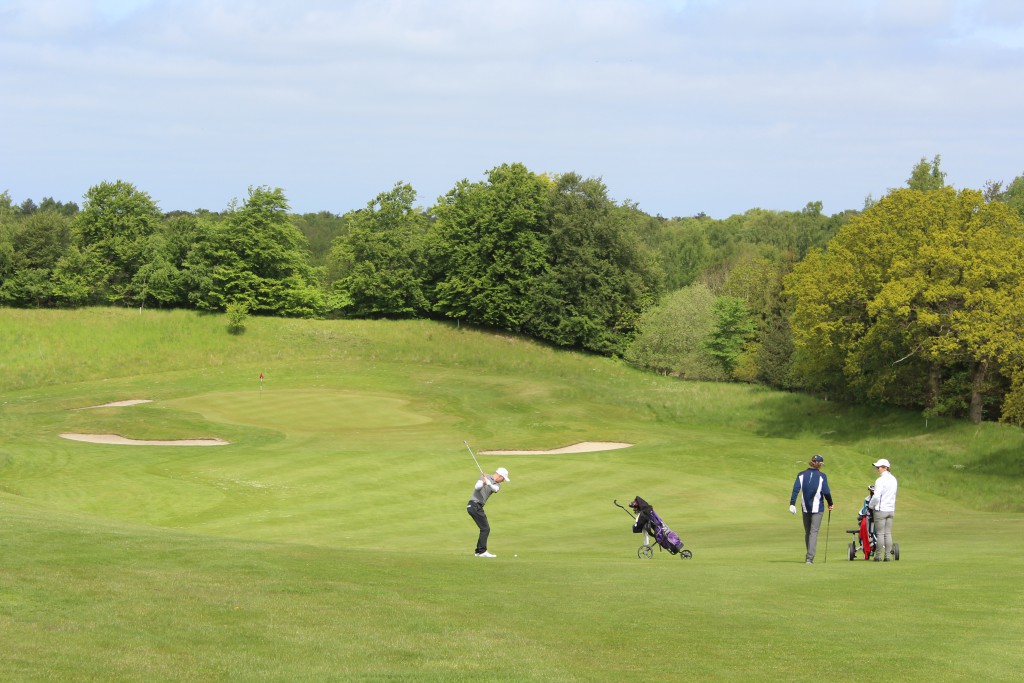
(812, 485)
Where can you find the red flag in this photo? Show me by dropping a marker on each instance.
(261, 376)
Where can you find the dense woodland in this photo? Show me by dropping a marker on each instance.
(915, 300)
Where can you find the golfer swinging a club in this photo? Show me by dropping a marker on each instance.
(485, 486)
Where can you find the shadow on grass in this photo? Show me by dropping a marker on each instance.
(978, 465)
(782, 415)
(1005, 462)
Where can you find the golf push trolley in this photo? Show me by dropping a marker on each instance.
(647, 521)
(864, 540)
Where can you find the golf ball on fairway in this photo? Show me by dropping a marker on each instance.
(515, 556)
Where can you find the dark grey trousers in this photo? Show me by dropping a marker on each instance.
(812, 522)
(476, 511)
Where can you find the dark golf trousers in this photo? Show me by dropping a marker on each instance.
(476, 511)
(812, 522)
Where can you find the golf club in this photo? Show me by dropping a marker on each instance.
(474, 456)
(625, 510)
(828, 526)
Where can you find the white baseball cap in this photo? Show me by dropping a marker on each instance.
(881, 463)
(503, 472)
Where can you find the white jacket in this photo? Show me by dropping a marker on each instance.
(884, 498)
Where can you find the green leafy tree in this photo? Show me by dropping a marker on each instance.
(782, 236)
(380, 258)
(256, 258)
(672, 336)
(758, 281)
(8, 258)
(599, 276)
(158, 281)
(733, 327)
(29, 252)
(768, 358)
(683, 249)
(487, 246)
(1012, 408)
(165, 280)
(77, 276)
(237, 317)
(927, 175)
(66, 209)
(113, 228)
(1012, 196)
(913, 296)
(44, 238)
(322, 230)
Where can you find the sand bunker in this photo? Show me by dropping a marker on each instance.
(582, 447)
(118, 404)
(118, 440)
(122, 441)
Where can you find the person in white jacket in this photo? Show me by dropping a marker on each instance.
(883, 509)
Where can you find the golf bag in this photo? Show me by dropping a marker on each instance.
(649, 523)
(864, 539)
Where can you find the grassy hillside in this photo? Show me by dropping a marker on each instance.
(329, 540)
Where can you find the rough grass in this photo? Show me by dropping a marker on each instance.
(329, 540)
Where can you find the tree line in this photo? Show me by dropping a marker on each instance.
(910, 301)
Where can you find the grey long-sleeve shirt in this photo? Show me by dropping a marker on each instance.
(483, 489)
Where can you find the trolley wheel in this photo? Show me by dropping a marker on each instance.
(685, 554)
(896, 551)
(645, 552)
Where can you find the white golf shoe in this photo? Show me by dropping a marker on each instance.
(485, 554)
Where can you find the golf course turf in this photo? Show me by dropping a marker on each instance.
(328, 539)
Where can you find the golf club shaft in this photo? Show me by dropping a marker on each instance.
(624, 510)
(474, 456)
(828, 527)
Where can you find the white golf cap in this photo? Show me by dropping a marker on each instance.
(881, 463)
(503, 472)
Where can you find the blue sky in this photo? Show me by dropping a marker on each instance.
(682, 106)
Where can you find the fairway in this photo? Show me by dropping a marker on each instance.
(319, 411)
(328, 539)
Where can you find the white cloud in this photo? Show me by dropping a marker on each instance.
(713, 106)
(45, 19)
(117, 10)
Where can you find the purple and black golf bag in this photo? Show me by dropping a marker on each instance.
(649, 523)
(666, 538)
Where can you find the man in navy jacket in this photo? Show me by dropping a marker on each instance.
(812, 487)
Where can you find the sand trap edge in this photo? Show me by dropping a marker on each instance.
(581, 447)
(116, 440)
(118, 404)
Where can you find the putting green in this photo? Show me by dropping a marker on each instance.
(322, 411)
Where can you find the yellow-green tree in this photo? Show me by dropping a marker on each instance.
(914, 303)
